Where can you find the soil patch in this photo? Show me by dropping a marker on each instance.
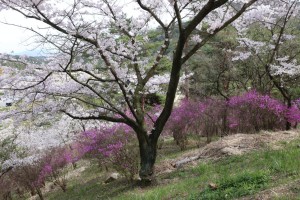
(237, 144)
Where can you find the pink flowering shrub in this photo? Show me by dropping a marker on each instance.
(252, 112)
(113, 147)
(32, 177)
(249, 112)
(211, 122)
(202, 118)
(181, 120)
(293, 114)
(55, 162)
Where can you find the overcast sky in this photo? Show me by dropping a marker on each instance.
(17, 40)
(13, 39)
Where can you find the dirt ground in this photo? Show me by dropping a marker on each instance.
(242, 143)
(286, 191)
(237, 144)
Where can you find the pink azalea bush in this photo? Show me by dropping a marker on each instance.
(55, 162)
(293, 114)
(31, 176)
(113, 147)
(181, 121)
(252, 112)
(247, 113)
(195, 117)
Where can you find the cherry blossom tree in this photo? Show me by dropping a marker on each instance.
(276, 49)
(100, 68)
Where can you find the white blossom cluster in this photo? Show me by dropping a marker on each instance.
(278, 36)
(286, 67)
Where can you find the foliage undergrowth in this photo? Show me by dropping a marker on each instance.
(235, 176)
(240, 185)
(247, 113)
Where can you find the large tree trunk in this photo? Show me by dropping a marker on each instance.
(288, 124)
(148, 156)
(40, 194)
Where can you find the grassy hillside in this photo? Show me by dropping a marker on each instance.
(271, 171)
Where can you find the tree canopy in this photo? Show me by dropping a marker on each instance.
(103, 58)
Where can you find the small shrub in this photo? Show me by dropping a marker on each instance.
(213, 119)
(184, 119)
(26, 177)
(114, 147)
(252, 112)
(55, 162)
(293, 113)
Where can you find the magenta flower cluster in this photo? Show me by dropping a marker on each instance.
(249, 112)
(263, 111)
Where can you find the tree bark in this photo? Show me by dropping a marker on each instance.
(148, 150)
(39, 192)
(288, 125)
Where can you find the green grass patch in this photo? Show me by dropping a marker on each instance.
(235, 176)
(240, 185)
